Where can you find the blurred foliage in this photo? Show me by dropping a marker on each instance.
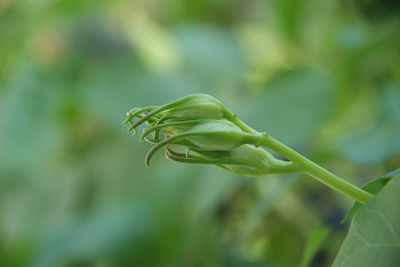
(322, 77)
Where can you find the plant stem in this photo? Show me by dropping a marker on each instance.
(308, 167)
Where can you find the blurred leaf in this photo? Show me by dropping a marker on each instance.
(136, 87)
(374, 235)
(232, 260)
(292, 16)
(27, 133)
(374, 146)
(100, 236)
(381, 140)
(313, 245)
(272, 189)
(287, 108)
(373, 187)
(211, 192)
(212, 58)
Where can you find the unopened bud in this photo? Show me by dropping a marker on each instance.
(202, 135)
(245, 160)
(192, 107)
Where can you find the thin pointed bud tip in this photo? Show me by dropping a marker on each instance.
(164, 142)
(147, 160)
(171, 157)
(127, 119)
(144, 118)
(142, 136)
(152, 140)
(173, 153)
(130, 115)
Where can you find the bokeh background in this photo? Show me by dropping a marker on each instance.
(320, 76)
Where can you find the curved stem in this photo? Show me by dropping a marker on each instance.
(308, 167)
(242, 125)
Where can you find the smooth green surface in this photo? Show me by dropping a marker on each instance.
(313, 245)
(308, 167)
(374, 235)
(372, 187)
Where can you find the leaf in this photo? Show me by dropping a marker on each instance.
(299, 93)
(210, 56)
(313, 245)
(372, 187)
(391, 174)
(271, 190)
(374, 235)
(232, 259)
(381, 137)
(100, 235)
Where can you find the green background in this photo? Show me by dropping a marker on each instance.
(320, 76)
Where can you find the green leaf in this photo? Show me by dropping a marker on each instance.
(313, 245)
(372, 187)
(298, 92)
(374, 235)
(382, 137)
(101, 235)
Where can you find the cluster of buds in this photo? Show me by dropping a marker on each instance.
(210, 133)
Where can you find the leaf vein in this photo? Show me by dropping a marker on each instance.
(388, 224)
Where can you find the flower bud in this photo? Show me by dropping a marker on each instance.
(202, 135)
(192, 107)
(245, 160)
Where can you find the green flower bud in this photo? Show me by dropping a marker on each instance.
(202, 135)
(192, 107)
(216, 136)
(245, 160)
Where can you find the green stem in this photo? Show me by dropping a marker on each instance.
(242, 125)
(307, 166)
